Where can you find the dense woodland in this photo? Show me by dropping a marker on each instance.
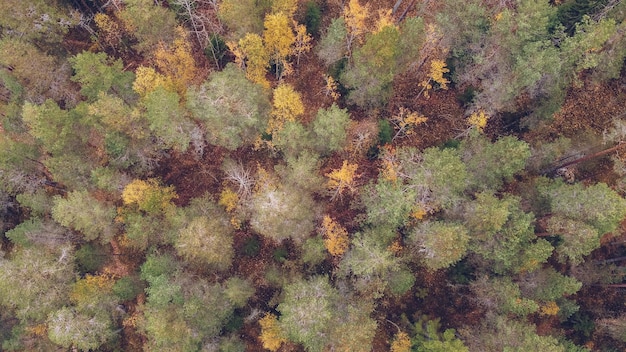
(312, 175)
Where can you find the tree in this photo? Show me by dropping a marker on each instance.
(335, 237)
(234, 109)
(54, 127)
(98, 73)
(280, 211)
(286, 106)
(207, 241)
(148, 196)
(332, 46)
(492, 164)
(43, 21)
(242, 17)
(68, 328)
(166, 119)
(82, 212)
(271, 335)
(43, 277)
(440, 244)
(342, 179)
(306, 311)
(176, 61)
(373, 68)
(150, 23)
(329, 128)
(252, 56)
(278, 37)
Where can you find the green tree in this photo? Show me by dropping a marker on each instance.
(333, 45)
(82, 212)
(440, 244)
(491, 164)
(166, 119)
(45, 22)
(149, 22)
(43, 278)
(330, 127)
(71, 329)
(307, 311)
(207, 241)
(97, 72)
(373, 67)
(234, 110)
(243, 17)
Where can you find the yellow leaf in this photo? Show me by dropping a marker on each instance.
(177, 62)
(335, 237)
(147, 79)
(343, 179)
(401, 342)
(229, 199)
(549, 308)
(355, 16)
(478, 120)
(286, 106)
(271, 336)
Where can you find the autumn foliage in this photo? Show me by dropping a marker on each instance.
(335, 237)
(271, 336)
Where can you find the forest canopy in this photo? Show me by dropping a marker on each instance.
(312, 175)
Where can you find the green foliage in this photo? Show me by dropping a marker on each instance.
(293, 139)
(387, 204)
(238, 291)
(302, 172)
(329, 128)
(150, 23)
(235, 110)
(90, 258)
(306, 311)
(579, 239)
(82, 212)
(503, 334)
(373, 67)
(40, 21)
(412, 36)
(43, 279)
(508, 240)
(243, 16)
(548, 285)
(52, 126)
(166, 119)
(429, 338)
(502, 296)
(332, 46)
(492, 164)
(313, 251)
(69, 328)
(39, 202)
(440, 244)
(97, 72)
(207, 241)
(401, 281)
(36, 231)
(597, 205)
(157, 265)
(127, 288)
(312, 18)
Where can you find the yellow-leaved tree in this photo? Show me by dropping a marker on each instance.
(342, 179)
(278, 38)
(252, 56)
(148, 195)
(271, 336)
(437, 70)
(336, 238)
(401, 342)
(478, 120)
(286, 106)
(302, 43)
(355, 16)
(147, 79)
(176, 62)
